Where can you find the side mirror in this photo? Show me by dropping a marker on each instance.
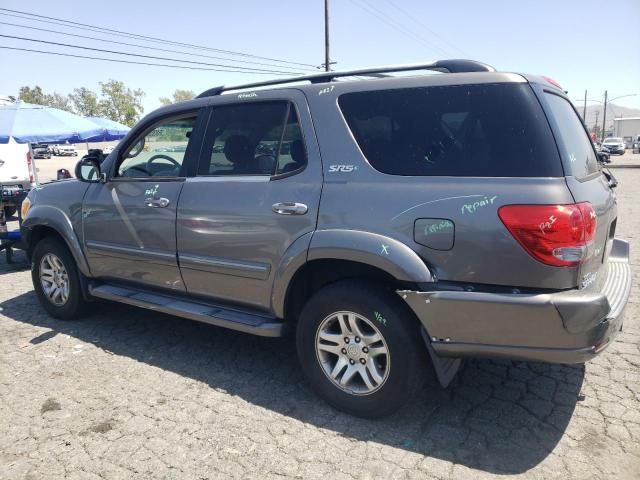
(88, 170)
(603, 157)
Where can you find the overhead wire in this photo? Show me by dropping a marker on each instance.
(384, 17)
(83, 26)
(115, 52)
(116, 60)
(148, 47)
(415, 19)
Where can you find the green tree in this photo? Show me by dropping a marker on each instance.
(36, 96)
(178, 96)
(85, 102)
(120, 103)
(33, 95)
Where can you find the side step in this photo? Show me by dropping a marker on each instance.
(255, 324)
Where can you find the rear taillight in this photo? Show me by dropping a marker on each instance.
(557, 235)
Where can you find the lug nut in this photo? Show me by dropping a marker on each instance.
(365, 349)
(346, 339)
(357, 339)
(363, 361)
(352, 361)
(344, 351)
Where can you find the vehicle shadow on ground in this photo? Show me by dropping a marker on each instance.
(500, 416)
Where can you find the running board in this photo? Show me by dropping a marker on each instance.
(225, 317)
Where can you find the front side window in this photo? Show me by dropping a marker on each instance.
(160, 152)
(488, 130)
(253, 139)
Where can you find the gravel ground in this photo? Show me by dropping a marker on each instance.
(127, 393)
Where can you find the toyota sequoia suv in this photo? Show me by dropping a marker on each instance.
(463, 213)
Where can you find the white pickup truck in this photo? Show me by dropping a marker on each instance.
(16, 174)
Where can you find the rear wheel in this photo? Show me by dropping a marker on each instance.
(360, 348)
(56, 279)
(10, 211)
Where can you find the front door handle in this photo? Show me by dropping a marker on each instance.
(157, 202)
(289, 208)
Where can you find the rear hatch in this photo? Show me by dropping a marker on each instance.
(585, 179)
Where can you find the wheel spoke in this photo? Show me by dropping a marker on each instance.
(338, 367)
(330, 337)
(344, 325)
(372, 338)
(362, 371)
(52, 293)
(375, 351)
(348, 374)
(372, 369)
(353, 325)
(335, 349)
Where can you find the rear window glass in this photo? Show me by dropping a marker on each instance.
(575, 145)
(490, 130)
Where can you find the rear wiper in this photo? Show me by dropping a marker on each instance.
(613, 182)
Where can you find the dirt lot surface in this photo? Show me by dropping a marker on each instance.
(128, 393)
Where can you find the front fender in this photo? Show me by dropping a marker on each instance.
(57, 220)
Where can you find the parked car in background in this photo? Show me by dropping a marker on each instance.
(395, 227)
(636, 144)
(108, 149)
(41, 150)
(64, 150)
(614, 145)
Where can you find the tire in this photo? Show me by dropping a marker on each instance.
(44, 253)
(10, 211)
(398, 371)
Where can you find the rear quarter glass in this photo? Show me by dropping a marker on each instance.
(578, 156)
(484, 130)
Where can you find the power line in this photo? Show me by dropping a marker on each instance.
(109, 31)
(131, 62)
(88, 37)
(423, 25)
(383, 17)
(248, 69)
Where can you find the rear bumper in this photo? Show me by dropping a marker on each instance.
(569, 326)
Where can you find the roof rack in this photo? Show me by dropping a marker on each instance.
(445, 66)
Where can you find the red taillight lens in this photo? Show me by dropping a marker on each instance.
(557, 235)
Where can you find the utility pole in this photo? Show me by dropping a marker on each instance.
(595, 128)
(326, 36)
(584, 109)
(604, 116)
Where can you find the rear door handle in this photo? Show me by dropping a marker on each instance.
(289, 208)
(157, 202)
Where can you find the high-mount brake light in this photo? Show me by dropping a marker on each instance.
(553, 82)
(557, 235)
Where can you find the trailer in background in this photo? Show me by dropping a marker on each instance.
(627, 128)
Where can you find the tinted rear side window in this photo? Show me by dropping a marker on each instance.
(577, 150)
(489, 130)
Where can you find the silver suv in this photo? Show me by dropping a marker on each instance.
(463, 213)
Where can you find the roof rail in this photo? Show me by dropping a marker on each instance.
(445, 66)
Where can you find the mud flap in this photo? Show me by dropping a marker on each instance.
(445, 368)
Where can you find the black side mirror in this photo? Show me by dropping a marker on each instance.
(88, 169)
(603, 157)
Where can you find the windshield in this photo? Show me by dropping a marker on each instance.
(613, 140)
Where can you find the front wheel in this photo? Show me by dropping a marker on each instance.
(56, 279)
(10, 211)
(360, 349)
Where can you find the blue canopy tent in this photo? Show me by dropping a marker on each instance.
(28, 123)
(113, 130)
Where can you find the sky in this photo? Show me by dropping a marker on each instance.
(582, 44)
